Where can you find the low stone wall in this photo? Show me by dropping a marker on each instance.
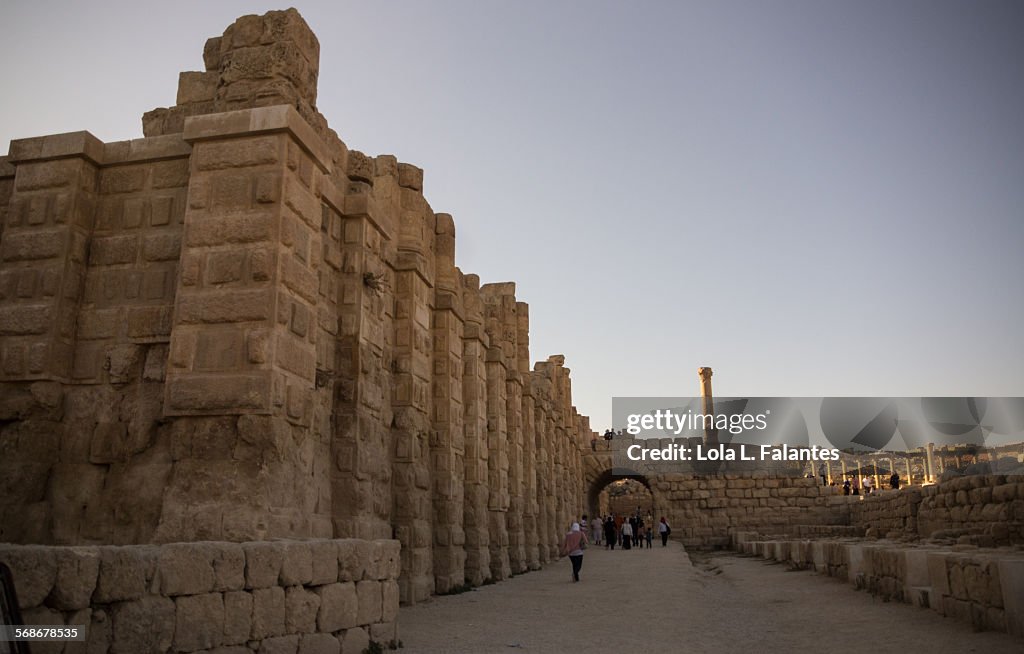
(982, 587)
(704, 510)
(985, 510)
(980, 505)
(323, 596)
(888, 512)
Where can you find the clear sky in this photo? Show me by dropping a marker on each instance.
(814, 198)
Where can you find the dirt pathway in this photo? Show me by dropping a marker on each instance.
(655, 600)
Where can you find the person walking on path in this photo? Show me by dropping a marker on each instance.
(627, 535)
(573, 545)
(664, 530)
(596, 527)
(650, 536)
(609, 533)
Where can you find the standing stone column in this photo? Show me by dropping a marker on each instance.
(530, 440)
(367, 237)
(539, 393)
(707, 404)
(497, 460)
(930, 461)
(243, 340)
(46, 237)
(412, 388)
(475, 344)
(503, 325)
(447, 440)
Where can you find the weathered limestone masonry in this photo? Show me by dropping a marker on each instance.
(270, 596)
(983, 510)
(705, 507)
(956, 547)
(238, 330)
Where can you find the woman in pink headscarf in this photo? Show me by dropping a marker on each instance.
(573, 545)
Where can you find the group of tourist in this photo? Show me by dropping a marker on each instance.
(854, 485)
(612, 530)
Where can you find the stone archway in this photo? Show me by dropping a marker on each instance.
(596, 483)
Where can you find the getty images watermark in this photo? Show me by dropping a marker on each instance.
(777, 429)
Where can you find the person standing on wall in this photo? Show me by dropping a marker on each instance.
(664, 530)
(573, 545)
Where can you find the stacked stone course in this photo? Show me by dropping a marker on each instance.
(974, 509)
(237, 329)
(984, 588)
(306, 596)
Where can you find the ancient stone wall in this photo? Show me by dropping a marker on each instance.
(888, 512)
(706, 504)
(704, 510)
(981, 587)
(237, 329)
(983, 508)
(185, 597)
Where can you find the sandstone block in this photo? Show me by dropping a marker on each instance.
(161, 247)
(123, 575)
(237, 306)
(279, 645)
(384, 632)
(231, 228)
(27, 246)
(324, 555)
(1011, 582)
(389, 600)
(170, 174)
(237, 617)
(25, 320)
(149, 322)
(39, 616)
(34, 570)
(77, 571)
(144, 625)
(268, 612)
(301, 608)
(109, 250)
(385, 562)
(351, 559)
(199, 622)
(122, 179)
(319, 644)
(409, 176)
(244, 152)
(339, 607)
(219, 392)
(370, 603)
(356, 639)
(263, 561)
(185, 569)
(228, 566)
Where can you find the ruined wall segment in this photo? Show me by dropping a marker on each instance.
(236, 329)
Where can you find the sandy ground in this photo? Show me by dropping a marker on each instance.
(657, 601)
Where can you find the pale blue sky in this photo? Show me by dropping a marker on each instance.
(814, 198)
